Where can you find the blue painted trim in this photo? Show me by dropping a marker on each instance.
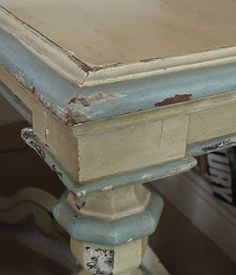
(15, 102)
(114, 182)
(109, 233)
(131, 96)
(212, 146)
(137, 177)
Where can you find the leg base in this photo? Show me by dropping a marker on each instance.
(151, 264)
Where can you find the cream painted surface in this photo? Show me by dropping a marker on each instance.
(152, 137)
(212, 123)
(126, 31)
(7, 113)
(133, 141)
(120, 149)
(58, 137)
(112, 205)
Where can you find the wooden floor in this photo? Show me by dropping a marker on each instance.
(182, 248)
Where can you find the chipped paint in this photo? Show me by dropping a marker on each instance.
(20, 77)
(54, 92)
(110, 234)
(133, 178)
(76, 204)
(29, 141)
(99, 261)
(148, 60)
(114, 182)
(46, 132)
(212, 145)
(174, 99)
(29, 137)
(107, 188)
(94, 99)
(218, 146)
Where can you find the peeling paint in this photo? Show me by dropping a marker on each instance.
(140, 93)
(46, 132)
(212, 145)
(218, 146)
(76, 204)
(147, 60)
(70, 119)
(82, 193)
(94, 99)
(174, 99)
(81, 227)
(20, 77)
(107, 188)
(99, 261)
(28, 139)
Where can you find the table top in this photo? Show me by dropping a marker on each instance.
(116, 86)
(106, 34)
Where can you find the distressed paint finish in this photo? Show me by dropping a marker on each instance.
(99, 260)
(67, 99)
(29, 137)
(116, 232)
(105, 260)
(212, 146)
(117, 216)
(190, 93)
(118, 181)
(106, 122)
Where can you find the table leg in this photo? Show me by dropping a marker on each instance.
(109, 230)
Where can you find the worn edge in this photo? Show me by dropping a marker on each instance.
(87, 75)
(53, 55)
(109, 233)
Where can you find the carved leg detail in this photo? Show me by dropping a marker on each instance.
(109, 220)
(110, 229)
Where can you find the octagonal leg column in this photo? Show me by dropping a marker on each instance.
(96, 259)
(109, 230)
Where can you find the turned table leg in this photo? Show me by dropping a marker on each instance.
(109, 219)
(110, 229)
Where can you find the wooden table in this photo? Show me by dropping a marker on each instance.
(119, 93)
